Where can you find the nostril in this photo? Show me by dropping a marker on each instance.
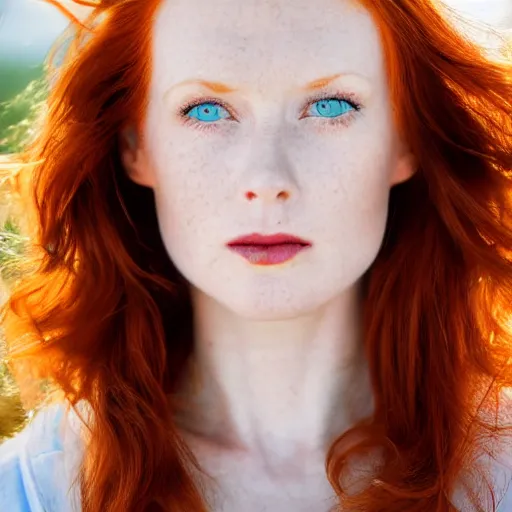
(281, 195)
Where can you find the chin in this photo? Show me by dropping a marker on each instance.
(271, 304)
(272, 296)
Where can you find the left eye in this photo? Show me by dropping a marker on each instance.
(331, 107)
(208, 112)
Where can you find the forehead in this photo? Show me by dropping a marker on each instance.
(264, 43)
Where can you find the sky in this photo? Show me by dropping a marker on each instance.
(28, 27)
(494, 12)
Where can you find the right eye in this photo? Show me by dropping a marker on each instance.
(207, 112)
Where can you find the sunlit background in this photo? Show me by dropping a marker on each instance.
(29, 27)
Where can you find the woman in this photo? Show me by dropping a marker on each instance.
(275, 271)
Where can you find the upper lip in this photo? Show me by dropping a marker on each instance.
(258, 239)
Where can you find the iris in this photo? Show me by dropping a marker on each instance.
(208, 112)
(331, 108)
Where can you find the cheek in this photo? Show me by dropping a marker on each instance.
(348, 196)
(358, 208)
(190, 192)
(350, 173)
(187, 163)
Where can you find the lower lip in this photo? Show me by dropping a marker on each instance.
(268, 254)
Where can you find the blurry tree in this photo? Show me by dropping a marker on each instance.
(18, 116)
(18, 122)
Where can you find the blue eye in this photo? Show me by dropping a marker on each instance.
(208, 112)
(331, 107)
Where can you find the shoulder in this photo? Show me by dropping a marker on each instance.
(502, 460)
(13, 494)
(505, 505)
(34, 465)
(502, 476)
(493, 467)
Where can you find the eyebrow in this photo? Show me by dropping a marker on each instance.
(216, 87)
(222, 88)
(320, 83)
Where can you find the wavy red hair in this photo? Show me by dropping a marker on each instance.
(107, 316)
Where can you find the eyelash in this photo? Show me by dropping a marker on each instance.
(340, 120)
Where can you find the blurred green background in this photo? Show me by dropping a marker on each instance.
(28, 28)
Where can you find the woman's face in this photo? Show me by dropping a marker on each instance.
(269, 116)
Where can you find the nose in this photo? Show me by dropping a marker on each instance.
(269, 174)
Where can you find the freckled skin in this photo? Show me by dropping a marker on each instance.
(272, 342)
(338, 179)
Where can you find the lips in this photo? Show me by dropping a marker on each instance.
(268, 249)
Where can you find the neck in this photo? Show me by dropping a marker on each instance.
(278, 388)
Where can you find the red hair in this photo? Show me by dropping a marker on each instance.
(107, 316)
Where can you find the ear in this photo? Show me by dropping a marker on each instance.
(405, 168)
(134, 159)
